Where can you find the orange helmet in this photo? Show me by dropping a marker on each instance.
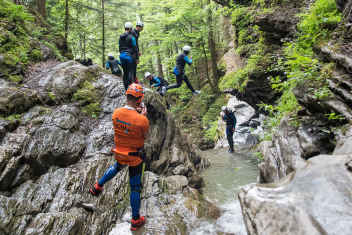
(136, 90)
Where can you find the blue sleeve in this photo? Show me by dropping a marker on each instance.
(157, 82)
(118, 62)
(234, 120)
(135, 47)
(107, 65)
(134, 43)
(188, 60)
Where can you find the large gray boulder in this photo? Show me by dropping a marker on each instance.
(55, 151)
(289, 149)
(344, 141)
(243, 138)
(312, 200)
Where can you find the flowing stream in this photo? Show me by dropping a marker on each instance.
(227, 173)
(223, 179)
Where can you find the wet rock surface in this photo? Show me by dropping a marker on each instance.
(53, 152)
(290, 147)
(248, 126)
(315, 199)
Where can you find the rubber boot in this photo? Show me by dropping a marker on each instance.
(96, 189)
(136, 224)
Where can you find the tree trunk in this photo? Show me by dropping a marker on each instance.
(159, 63)
(41, 8)
(213, 87)
(66, 25)
(103, 33)
(84, 46)
(212, 47)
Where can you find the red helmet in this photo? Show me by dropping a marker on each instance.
(136, 90)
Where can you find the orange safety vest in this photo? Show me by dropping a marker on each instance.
(130, 129)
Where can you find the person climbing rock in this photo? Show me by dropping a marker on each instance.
(131, 128)
(128, 54)
(135, 32)
(158, 82)
(179, 70)
(113, 64)
(229, 117)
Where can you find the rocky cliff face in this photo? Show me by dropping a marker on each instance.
(55, 140)
(307, 191)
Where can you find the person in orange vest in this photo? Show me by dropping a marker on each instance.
(131, 128)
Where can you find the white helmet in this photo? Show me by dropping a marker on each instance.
(128, 25)
(223, 108)
(140, 24)
(147, 74)
(110, 55)
(186, 48)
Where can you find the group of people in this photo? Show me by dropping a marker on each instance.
(130, 122)
(129, 59)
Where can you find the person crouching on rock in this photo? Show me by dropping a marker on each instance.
(113, 64)
(154, 81)
(229, 117)
(131, 128)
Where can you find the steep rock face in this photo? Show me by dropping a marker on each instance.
(290, 147)
(315, 199)
(247, 125)
(50, 155)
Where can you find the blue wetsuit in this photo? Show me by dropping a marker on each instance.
(128, 55)
(135, 173)
(159, 83)
(113, 64)
(179, 71)
(230, 120)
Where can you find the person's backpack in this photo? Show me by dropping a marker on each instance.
(115, 68)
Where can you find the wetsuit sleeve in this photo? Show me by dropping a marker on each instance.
(118, 62)
(224, 117)
(234, 120)
(107, 65)
(157, 82)
(135, 47)
(188, 60)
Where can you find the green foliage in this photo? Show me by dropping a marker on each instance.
(15, 78)
(334, 116)
(36, 55)
(20, 39)
(318, 22)
(13, 117)
(259, 156)
(92, 109)
(212, 133)
(52, 96)
(88, 97)
(301, 65)
(56, 51)
(13, 12)
(86, 94)
(241, 17)
(213, 111)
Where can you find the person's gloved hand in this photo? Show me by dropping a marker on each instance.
(142, 109)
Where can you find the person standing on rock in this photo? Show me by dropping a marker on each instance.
(131, 128)
(155, 81)
(179, 70)
(229, 117)
(136, 32)
(113, 64)
(128, 54)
